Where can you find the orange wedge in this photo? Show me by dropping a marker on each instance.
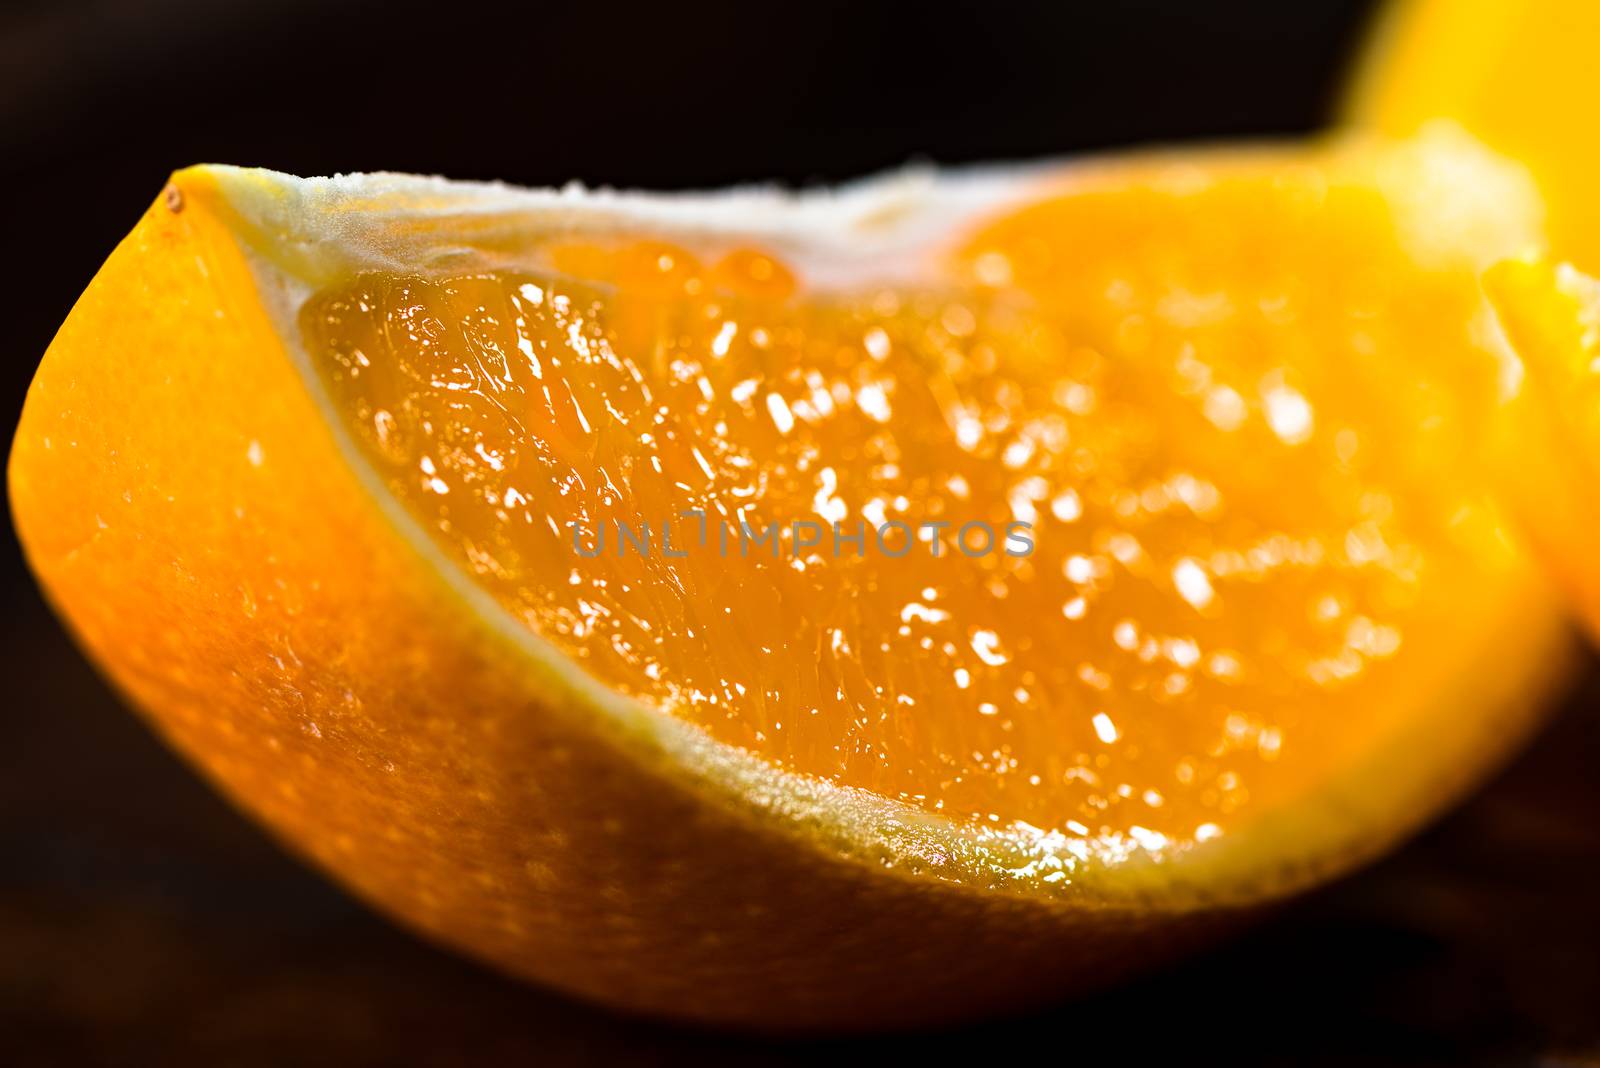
(1519, 75)
(839, 611)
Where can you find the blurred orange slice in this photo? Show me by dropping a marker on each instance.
(1519, 75)
(1551, 316)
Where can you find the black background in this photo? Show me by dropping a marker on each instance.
(142, 921)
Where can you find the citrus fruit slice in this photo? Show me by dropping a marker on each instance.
(1551, 316)
(1517, 75)
(843, 610)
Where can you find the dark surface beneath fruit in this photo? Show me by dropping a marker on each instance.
(143, 921)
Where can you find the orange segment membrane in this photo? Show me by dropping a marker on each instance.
(1220, 436)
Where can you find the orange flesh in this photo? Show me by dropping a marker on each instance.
(1238, 418)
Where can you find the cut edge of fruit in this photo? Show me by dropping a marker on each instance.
(277, 218)
(317, 230)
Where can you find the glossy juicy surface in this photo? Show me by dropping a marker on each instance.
(1227, 417)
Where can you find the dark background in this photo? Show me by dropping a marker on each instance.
(142, 921)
